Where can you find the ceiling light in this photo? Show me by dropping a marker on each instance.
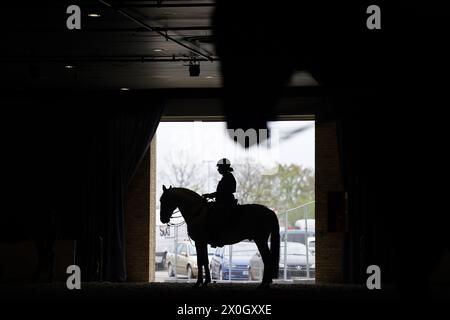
(94, 15)
(124, 89)
(194, 69)
(158, 50)
(209, 77)
(69, 66)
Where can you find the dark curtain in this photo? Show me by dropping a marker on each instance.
(68, 160)
(129, 134)
(119, 140)
(369, 158)
(388, 161)
(392, 156)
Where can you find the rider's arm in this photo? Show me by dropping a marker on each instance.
(210, 195)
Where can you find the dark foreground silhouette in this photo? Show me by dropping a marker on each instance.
(253, 221)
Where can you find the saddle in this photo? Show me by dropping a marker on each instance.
(219, 220)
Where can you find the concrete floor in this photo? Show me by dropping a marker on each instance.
(166, 300)
(183, 292)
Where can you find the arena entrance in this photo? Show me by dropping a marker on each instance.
(279, 174)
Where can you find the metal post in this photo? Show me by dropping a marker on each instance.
(285, 245)
(100, 276)
(208, 162)
(304, 206)
(176, 252)
(230, 248)
(209, 175)
(305, 209)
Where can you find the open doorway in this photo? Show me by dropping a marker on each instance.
(279, 174)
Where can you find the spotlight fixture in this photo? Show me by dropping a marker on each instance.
(69, 66)
(194, 69)
(158, 50)
(94, 15)
(124, 89)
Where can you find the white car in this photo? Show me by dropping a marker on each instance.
(185, 263)
(312, 245)
(295, 262)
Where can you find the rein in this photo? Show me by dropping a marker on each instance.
(177, 224)
(179, 216)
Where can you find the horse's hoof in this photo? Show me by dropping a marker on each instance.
(197, 285)
(263, 285)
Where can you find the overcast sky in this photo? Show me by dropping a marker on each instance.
(204, 142)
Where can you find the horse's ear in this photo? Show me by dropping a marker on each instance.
(170, 187)
(164, 188)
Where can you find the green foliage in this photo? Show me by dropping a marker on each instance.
(292, 185)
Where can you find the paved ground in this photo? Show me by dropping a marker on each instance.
(165, 300)
(182, 292)
(162, 276)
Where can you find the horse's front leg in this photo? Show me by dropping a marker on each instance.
(204, 254)
(199, 282)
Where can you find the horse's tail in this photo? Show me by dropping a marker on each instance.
(275, 244)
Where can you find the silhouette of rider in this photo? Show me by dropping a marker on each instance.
(220, 211)
(226, 186)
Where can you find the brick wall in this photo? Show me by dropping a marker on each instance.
(152, 236)
(329, 245)
(140, 259)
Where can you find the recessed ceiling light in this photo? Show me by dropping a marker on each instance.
(158, 50)
(209, 77)
(94, 15)
(124, 89)
(69, 66)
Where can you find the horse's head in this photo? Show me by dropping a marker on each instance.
(168, 205)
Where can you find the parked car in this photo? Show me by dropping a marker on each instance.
(186, 260)
(165, 243)
(240, 257)
(302, 224)
(296, 265)
(296, 235)
(312, 245)
(163, 247)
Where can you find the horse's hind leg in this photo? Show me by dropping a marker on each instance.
(266, 257)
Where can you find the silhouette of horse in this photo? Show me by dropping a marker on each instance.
(252, 221)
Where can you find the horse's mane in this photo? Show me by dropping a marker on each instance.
(193, 193)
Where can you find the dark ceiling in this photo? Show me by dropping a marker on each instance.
(114, 50)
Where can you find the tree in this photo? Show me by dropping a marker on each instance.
(181, 171)
(249, 178)
(291, 186)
